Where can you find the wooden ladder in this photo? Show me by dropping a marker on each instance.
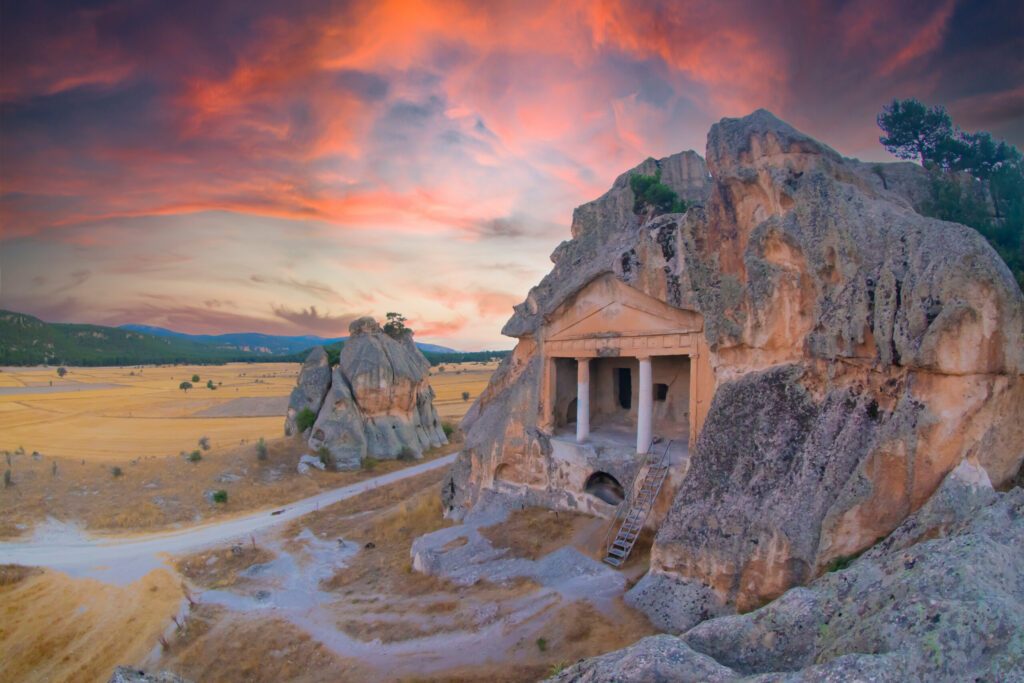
(636, 508)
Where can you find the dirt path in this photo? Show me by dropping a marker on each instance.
(124, 559)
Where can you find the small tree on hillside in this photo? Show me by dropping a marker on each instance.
(61, 371)
(195, 378)
(465, 395)
(914, 131)
(185, 386)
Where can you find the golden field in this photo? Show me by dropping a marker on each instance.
(118, 414)
(64, 441)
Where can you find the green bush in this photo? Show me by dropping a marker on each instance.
(116, 471)
(7, 478)
(652, 194)
(185, 386)
(368, 463)
(448, 428)
(465, 395)
(195, 378)
(324, 454)
(261, 449)
(406, 454)
(210, 384)
(195, 456)
(305, 419)
(542, 644)
(204, 443)
(220, 496)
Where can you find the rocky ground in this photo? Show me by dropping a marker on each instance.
(941, 599)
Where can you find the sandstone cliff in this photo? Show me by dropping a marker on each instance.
(860, 350)
(376, 402)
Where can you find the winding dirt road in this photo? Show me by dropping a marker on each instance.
(123, 559)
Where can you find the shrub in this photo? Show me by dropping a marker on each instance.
(368, 463)
(185, 386)
(406, 454)
(116, 471)
(261, 449)
(220, 496)
(210, 384)
(542, 644)
(204, 443)
(305, 419)
(195, 378)
(195, 456)
(61, 371)
(7, 478)
(652, 194)
(465, 395)
(448, 428)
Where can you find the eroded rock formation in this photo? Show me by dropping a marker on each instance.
(860, 352)
(940, 600)
(376, 402)
(308, 394)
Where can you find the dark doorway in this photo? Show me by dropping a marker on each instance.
(624, 379)
(570, 414)
(660, 392)
(606, 487)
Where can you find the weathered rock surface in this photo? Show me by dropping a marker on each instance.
(948, 607)
(314, 380)
(861, 352)
(655, 659)
(125, 674)
(378, 401)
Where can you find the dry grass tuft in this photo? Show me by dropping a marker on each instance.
(11, 574)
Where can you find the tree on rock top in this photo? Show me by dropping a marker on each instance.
(652, 195)
(395, 326)
(914, 131)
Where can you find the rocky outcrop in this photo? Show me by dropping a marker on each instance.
(940, 600)
(861, 352)
(313, 383)
(378, 401)
(125, 674)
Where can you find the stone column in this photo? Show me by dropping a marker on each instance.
(582, 399)
(645, 408)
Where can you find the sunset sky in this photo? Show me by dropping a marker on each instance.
(283, 167)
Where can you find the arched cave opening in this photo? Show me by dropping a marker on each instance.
(606, 487)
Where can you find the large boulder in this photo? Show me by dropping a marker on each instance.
(860, 351)
(313, 383)
(379, 402)
(941, 600)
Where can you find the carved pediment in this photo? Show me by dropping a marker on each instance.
(607, 307)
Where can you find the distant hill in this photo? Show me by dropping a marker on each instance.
(27, 340)
(261, 343)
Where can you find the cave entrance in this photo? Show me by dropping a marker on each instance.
(606, 487)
